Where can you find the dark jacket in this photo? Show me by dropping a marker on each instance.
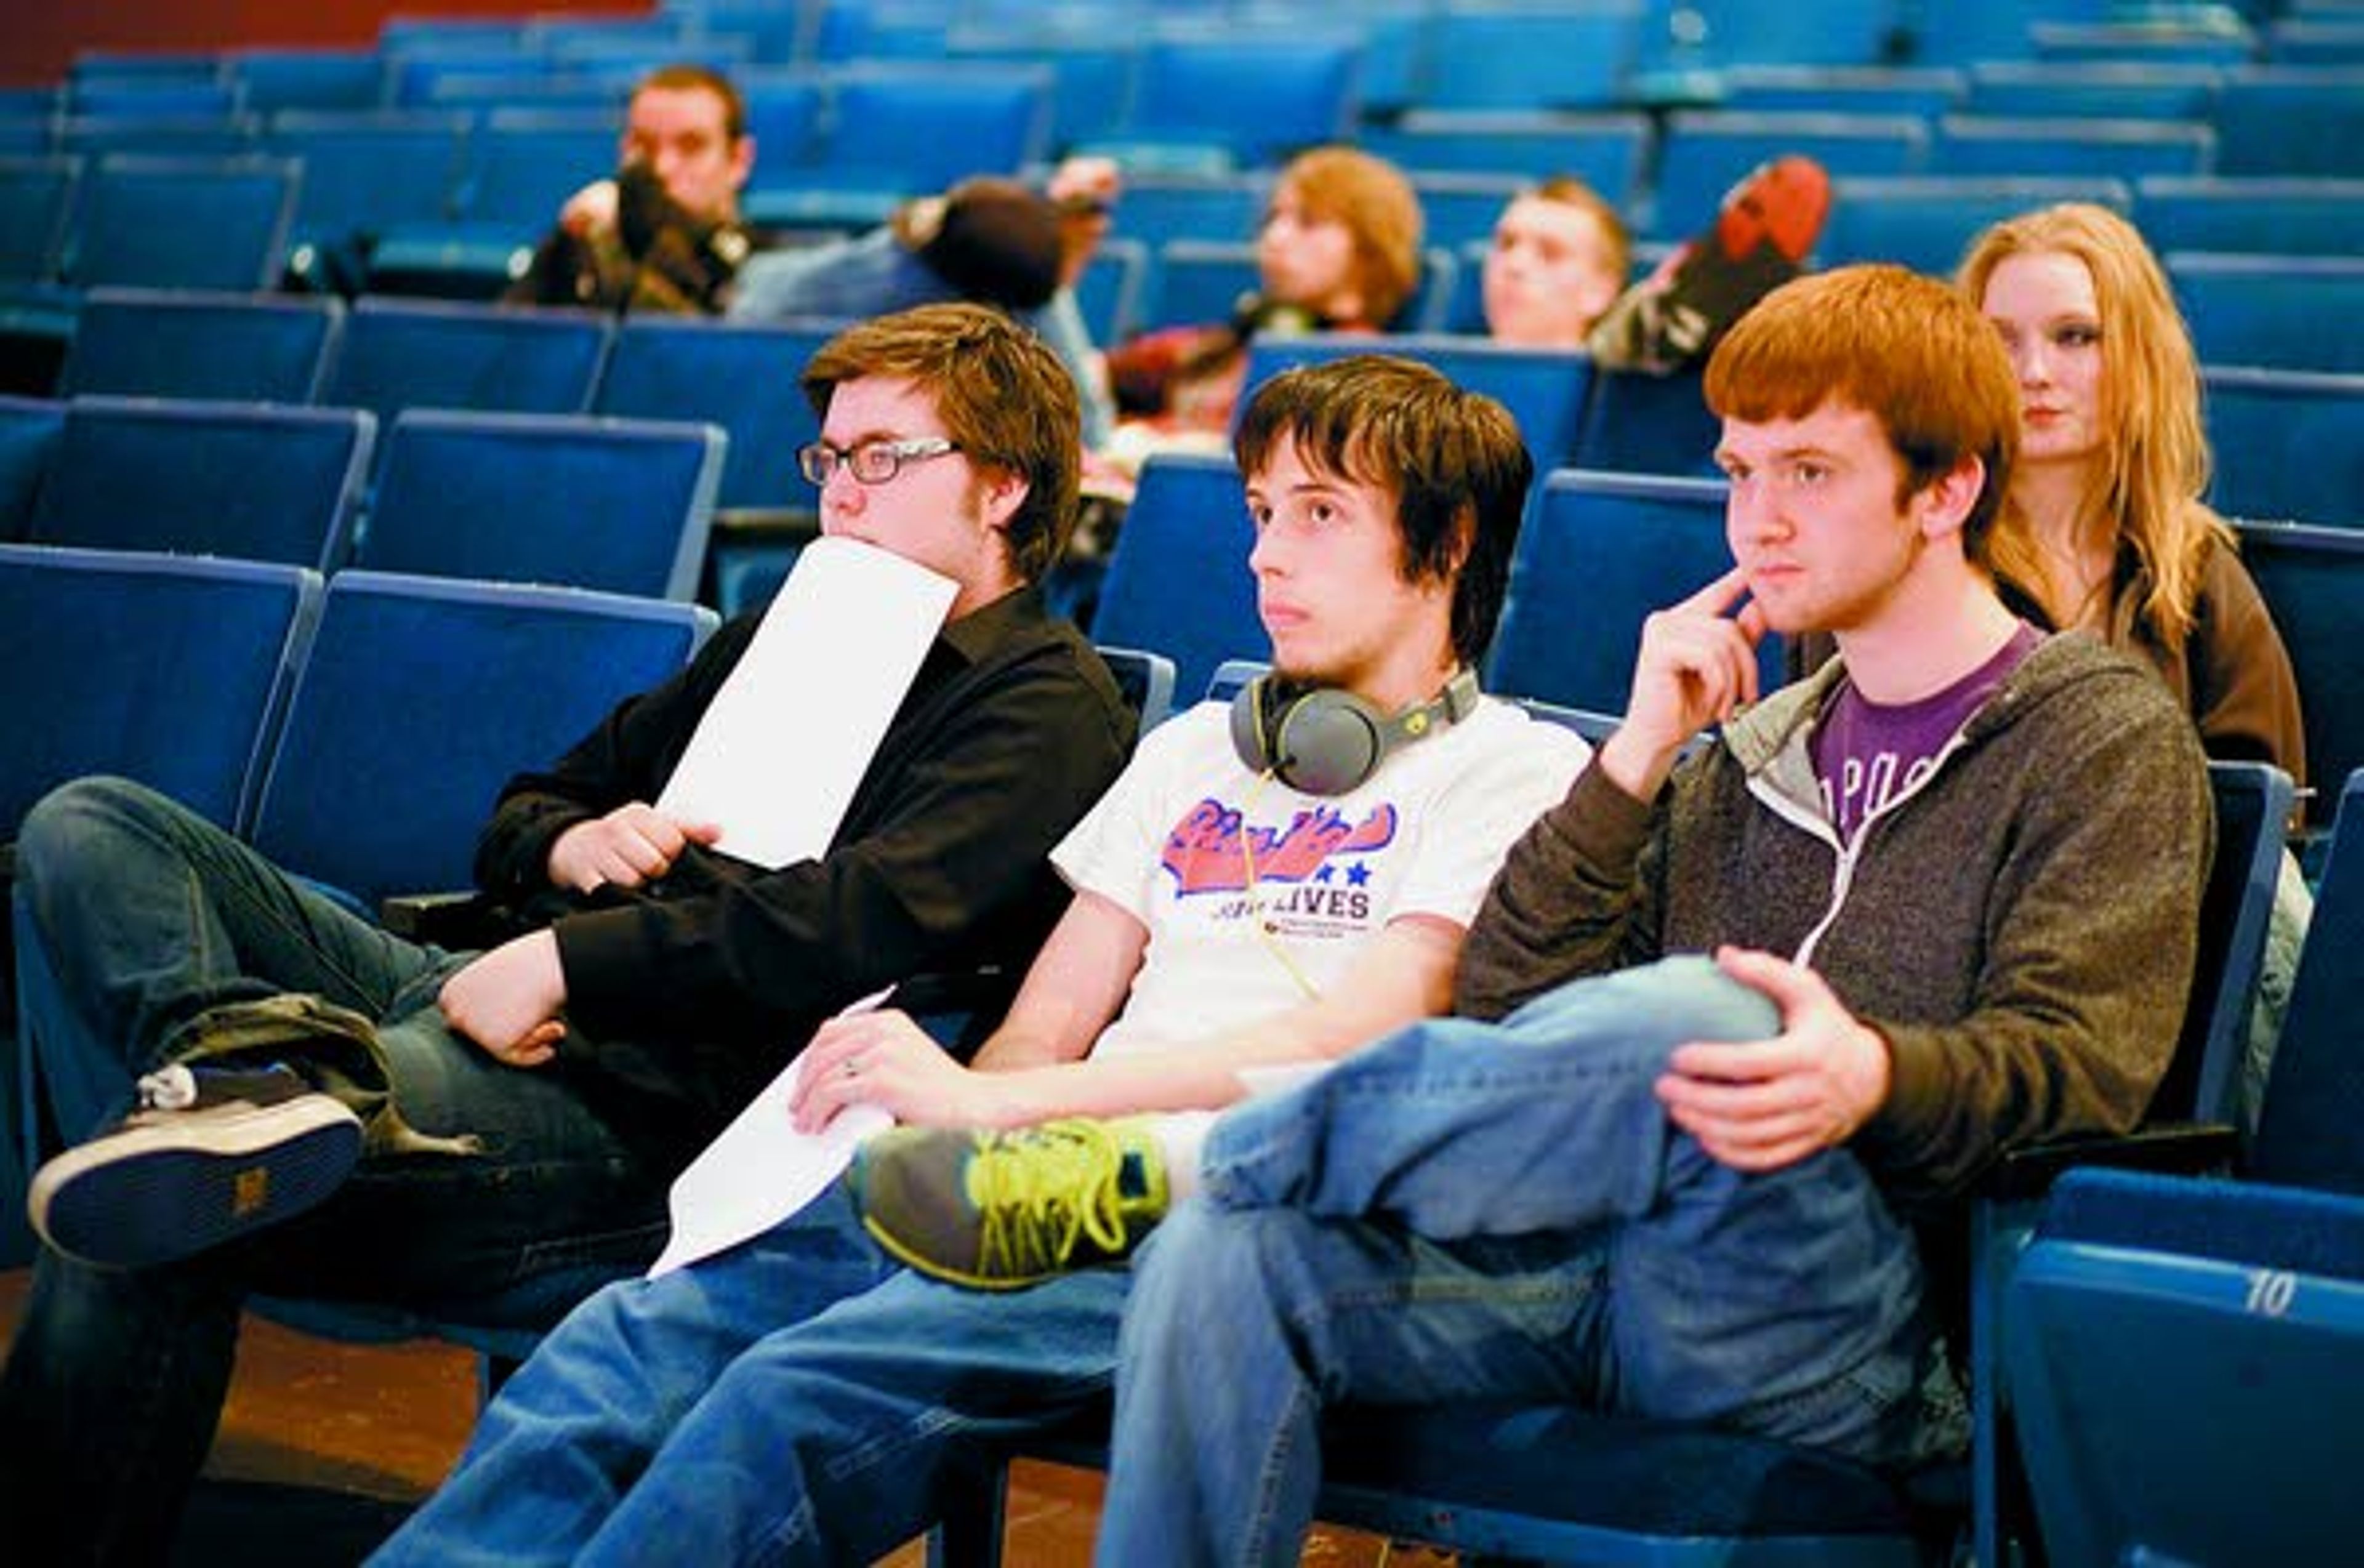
(2020, 926)
(696, 989)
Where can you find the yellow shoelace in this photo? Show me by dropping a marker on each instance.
(1041, 1191)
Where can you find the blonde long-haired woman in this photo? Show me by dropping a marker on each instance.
(2103, 526)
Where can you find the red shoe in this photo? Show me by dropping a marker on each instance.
(1782, 203)
(1761, 236)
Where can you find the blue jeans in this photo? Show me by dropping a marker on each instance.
(1468, 1211)
(728, 1413)
(133, 915)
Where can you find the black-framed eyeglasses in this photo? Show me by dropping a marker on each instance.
(871, 462)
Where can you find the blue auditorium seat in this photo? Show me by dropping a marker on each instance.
(1531, 57)
(1110, 292)
(1925, 90)
(164, 669)
(916, 127)
(2291, 120)
(742, 376)
(1157, 207)
(1691, 35)
(1544, 389)
(366, 170)
(2099, 149)
(1606, 151)
(1598, 552)
(1927, 222)
(523, 163)
(1641, 423)
(784, 116)
(157, 136)
(2328, 40)
(2287, 444)
(29, 430)
(1146, 681)
(141, 97)
(37, 195)
(398, 354)
(2313, 579)
(1459, 209)
(2291, 312)
(2188, 1353)
(1257, 96)
(2104, 89)
(2261, 215)
(201, 343)
(1091, 75)
(2210, 35)
(520, 166)
(414, 72)
(273, 79)
(1195, 280)
(1705, 151)
(217, 223)
(262, 482)
(617, 505)
(1178, 582)
(421, 697)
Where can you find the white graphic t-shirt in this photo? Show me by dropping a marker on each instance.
(1424, 836)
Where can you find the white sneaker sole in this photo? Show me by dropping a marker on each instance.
(175, 1187)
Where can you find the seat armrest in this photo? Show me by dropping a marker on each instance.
(2174, 1148)
(459, 920)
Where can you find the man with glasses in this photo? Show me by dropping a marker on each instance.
(329, 1110)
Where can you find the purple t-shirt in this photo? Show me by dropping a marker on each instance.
(1866, 753)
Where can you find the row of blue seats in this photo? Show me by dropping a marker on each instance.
(623, 506)
(2286, 441)
(313, 718)
(387, 355)
(1600, 551)
(1110, 58)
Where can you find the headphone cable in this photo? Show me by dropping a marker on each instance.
(1255, 913)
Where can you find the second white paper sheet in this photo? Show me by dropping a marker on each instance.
(777, 758)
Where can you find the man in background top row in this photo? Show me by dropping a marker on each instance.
(665, 235)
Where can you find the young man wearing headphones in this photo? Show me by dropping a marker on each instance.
(1268, 883)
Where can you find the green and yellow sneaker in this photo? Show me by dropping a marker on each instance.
(1003, 1210)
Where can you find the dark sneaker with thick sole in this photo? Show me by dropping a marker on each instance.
(1763, 232)
(212, 1154)
(1003, 1210)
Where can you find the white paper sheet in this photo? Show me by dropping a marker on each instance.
(777, 758)
(759, 1169)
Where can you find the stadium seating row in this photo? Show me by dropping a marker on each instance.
(618, 505)
(2285, 440)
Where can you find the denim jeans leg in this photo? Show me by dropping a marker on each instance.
(835, 1440)
(1245, 1323)
(107, 1485)
(1443, 1126)
(144, 915)
(577, 1427)
(1787, 1303)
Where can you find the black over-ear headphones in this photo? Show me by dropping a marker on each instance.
(1328, 741)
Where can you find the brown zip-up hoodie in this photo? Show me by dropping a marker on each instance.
(2020, 926)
